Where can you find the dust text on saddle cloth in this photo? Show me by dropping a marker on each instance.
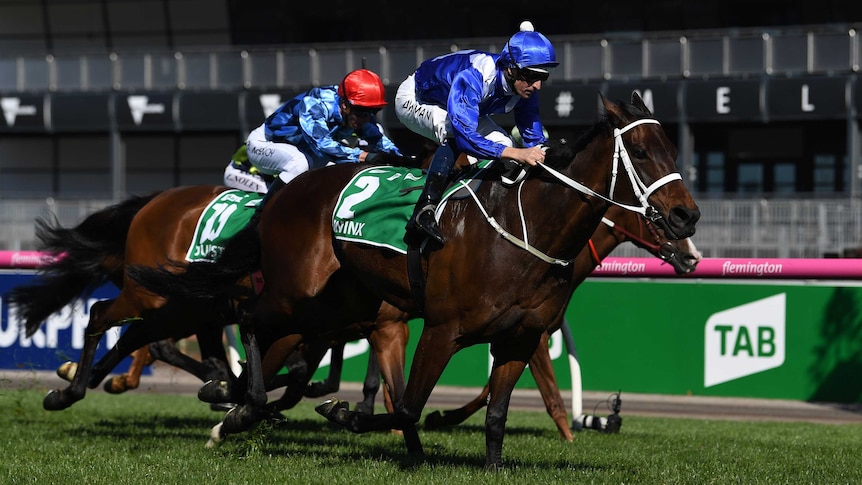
(226, 215)
(377, 203)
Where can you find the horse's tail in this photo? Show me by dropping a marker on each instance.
(86, 257)
(205, 280)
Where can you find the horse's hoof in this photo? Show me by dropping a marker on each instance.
(215, 392)
(222, 406)
(216, 436)
(434, 420)
(242, 418)
(363, 409)
(54, 401)
(116, 385)
(494, 467)
(331, 408)
(67, 371)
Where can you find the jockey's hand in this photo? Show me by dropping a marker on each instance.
(369, 156)
(526, 156)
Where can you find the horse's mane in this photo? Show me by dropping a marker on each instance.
(561, 152)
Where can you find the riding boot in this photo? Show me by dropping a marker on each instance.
(274, 187)
(423, 222)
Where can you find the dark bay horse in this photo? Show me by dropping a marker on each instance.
(481, 288)
(618, 226)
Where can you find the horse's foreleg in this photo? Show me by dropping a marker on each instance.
(57, 399)
(333, 380)
(242, 418)
(371, 385)
(453, 417)
(509, 364)
(433, 352)
(141, 358)
(546, 380)
(299, 376)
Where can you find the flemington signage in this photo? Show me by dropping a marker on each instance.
(736, 328)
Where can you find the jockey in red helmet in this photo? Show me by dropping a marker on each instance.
(322, 126)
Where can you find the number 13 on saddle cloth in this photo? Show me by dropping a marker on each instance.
(225, 216)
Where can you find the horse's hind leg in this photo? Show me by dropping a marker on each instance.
(509, 363)
(57, 399)
(546, 380)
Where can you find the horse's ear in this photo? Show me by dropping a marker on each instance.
(613, 110)
(638, 102)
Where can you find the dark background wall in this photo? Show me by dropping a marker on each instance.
(117, 25)
(256, 21)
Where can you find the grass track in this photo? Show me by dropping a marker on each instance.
(159, 438)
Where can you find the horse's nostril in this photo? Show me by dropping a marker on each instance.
(684, 217)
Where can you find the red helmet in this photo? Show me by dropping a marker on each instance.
(363, 88)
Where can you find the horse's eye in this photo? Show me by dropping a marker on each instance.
(639, 153)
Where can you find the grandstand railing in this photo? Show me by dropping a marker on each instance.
(787, 51)
(749, 228)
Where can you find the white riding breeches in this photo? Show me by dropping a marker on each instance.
(273, 158)
(236, 178)
(433, 122)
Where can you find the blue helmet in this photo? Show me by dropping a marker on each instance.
(528, 49)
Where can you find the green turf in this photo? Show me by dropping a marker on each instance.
(150, 438)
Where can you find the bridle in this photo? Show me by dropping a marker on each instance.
(641, 191)
(665, 251)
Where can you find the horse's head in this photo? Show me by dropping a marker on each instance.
(622, 225)
(644, 156)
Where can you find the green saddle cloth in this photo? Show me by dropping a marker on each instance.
(225, 216)
(375, 206)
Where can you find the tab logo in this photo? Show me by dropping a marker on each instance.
(12, 108)
(745, 340)
(269, 103)
(140, 105)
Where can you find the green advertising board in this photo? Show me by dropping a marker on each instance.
(779, 339)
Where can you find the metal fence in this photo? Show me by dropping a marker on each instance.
(784, 51)
(750, 228)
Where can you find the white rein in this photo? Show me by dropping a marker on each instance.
(641, 191)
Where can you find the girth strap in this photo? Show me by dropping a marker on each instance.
(416, 277)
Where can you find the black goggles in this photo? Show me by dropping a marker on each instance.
(363, 112)
(530, 76)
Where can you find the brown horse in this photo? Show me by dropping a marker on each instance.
(619, 225)
(140, 230)
(482, 288)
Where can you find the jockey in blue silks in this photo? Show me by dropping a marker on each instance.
(324, 125)
(450, 100)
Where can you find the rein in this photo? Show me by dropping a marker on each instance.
(642, 193)
(630, 236)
